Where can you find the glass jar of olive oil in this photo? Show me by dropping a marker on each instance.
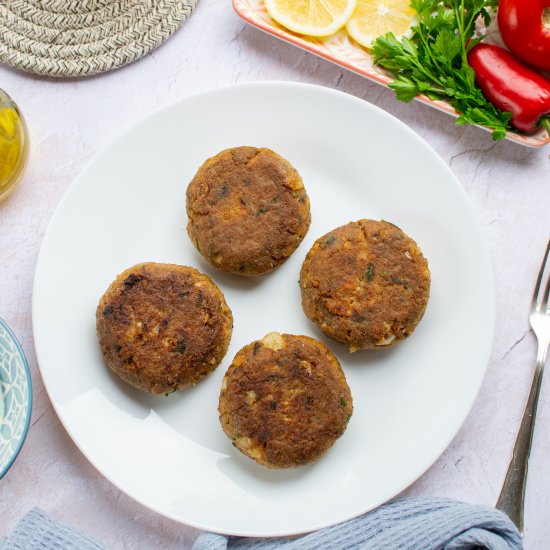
(14, 145)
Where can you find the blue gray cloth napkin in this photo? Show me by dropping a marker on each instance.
(36, 531)
(406, 524)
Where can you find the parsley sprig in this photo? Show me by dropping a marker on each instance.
(434, 61)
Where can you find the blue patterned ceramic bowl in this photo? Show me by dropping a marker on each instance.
(15, 398)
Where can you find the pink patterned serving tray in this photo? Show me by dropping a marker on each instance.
(342, 50)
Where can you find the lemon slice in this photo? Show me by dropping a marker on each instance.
(311, 17)
(374, 18)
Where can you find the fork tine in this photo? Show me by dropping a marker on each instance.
(542, 304)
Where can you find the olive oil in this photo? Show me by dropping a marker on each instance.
(13, 145)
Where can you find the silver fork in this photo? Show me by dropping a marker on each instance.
(512, 495)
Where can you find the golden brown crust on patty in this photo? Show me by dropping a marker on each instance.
(365, 284)
(284, 400)
(248, 210)
(163, 327)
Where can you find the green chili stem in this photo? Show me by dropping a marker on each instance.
(545, 123)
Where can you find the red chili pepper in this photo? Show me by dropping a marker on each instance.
(511, 86)
(525, 28)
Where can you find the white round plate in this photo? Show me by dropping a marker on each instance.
(128, 206)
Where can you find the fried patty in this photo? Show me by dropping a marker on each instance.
(247, 209)
(365, 284)
(284, 400)
(163, 327)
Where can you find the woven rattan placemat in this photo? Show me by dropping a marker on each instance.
(70, 38)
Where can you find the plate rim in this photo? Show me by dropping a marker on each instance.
(29, 395)
(315, 88)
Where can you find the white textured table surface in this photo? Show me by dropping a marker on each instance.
(70, 121)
